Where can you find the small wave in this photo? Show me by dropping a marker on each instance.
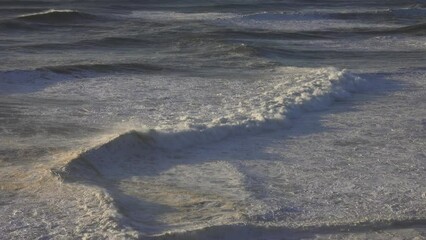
(57, 16)
(178, 16)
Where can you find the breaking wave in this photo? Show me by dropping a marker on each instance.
(275, 111)
(133, 153)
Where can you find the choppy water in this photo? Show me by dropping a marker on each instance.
(197, 118)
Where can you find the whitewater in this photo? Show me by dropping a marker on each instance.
(212, 120)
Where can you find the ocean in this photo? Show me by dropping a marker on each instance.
(213, 119)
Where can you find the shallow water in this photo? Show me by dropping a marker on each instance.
(213, 120)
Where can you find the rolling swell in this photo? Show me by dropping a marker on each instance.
(104, 68)
(125, 42)
(23, 81)
(415, 29)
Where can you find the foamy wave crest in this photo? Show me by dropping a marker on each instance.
(265, 110)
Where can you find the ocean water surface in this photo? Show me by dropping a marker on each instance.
(212, 119)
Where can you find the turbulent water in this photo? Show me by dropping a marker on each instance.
(213, 119)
